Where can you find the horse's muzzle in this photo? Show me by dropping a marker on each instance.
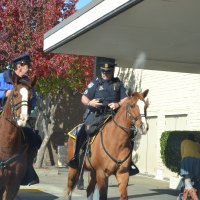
(21, 121)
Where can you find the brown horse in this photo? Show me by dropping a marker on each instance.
(111, 149)
(13, 153)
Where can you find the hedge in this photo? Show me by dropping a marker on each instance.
(170, 143)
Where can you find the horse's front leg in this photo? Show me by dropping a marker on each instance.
(1, 192)
(72, 180)
(11, 190)
(91, 185)
(122, 179)
(102, 185)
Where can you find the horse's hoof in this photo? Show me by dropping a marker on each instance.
(69, 197)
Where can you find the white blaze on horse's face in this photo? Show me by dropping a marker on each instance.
(144, 126)
(24, 108)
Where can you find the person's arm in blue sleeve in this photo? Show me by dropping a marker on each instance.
(4, 89)
(90, 90)
(2, 94)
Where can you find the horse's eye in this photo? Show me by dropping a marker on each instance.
(133, 106)
(15, 94)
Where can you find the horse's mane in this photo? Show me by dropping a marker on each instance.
(25, 83)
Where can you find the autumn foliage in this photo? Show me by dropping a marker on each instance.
(22, 27)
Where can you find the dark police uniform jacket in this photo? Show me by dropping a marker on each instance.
(107, 92)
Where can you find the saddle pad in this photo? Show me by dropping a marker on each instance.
(74, 131)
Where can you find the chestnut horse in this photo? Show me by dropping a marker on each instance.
(111, 149)
(13, 152)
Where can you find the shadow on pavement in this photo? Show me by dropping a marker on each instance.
(155, 192)
(32, 194)
(116, 185)
(167, 191)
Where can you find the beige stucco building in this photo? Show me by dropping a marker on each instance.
(174, 104)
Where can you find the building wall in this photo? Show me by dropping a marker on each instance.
(174, 105)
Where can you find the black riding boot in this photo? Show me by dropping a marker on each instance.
(80, 139)
(31, 177)
(133, 170)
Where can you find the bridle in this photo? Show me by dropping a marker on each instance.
(14, 107)
(132, 117)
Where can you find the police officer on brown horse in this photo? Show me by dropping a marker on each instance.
(102, 96)
(20, 67)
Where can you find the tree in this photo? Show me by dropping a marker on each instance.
(22, 26)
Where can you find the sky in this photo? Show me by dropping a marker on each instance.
(82, 3)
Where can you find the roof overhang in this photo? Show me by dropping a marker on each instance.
(166, 32)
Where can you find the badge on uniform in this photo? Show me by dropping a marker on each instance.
(116, 86)
(101, 87)
(85, 92)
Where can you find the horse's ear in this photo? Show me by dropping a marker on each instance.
(129, 92)
(14, 79)
(33, 81)
(145, 93)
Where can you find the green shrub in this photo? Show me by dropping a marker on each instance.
(170, 143)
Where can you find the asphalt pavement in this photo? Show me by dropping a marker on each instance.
(53, 182)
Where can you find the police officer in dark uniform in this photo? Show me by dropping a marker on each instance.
(20, 66)
(101, 96)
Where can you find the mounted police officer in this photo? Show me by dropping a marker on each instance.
(102, 96)
(20, 67)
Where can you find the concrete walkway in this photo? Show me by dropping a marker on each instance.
(53, 183)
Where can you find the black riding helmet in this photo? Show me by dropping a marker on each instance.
(22, 59)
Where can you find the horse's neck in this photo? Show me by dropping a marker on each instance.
(9, 133)
(7, 109)
(121, 117)
(119, 127)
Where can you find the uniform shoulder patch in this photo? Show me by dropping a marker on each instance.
(85, 92)
(91, 85)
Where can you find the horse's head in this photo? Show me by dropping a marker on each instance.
(20, 99)
(136, 110)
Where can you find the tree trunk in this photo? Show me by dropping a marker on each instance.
(41, 152)
(47, 117)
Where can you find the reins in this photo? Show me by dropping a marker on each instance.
(13, 108)
(126, 130)
(128, 112)
(118, 162)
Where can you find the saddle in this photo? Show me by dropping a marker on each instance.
(73, 133)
